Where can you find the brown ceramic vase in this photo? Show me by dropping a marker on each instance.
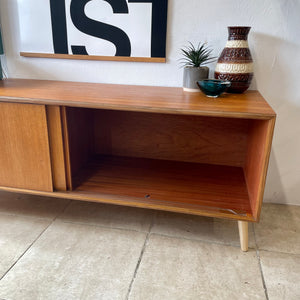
(235, 62)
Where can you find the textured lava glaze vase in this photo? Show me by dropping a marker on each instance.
(235, 62)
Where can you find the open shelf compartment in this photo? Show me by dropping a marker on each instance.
(192, 164)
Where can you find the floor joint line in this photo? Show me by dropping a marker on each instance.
(140, 258)
(41, 233)
(260, 266)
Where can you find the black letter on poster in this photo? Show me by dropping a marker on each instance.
(101, 30)
(159, 26)
(59, 26)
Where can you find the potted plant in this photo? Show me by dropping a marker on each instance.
(193, 60)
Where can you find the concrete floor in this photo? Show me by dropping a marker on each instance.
(61, 249)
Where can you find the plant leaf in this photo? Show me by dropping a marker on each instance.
(196, 56)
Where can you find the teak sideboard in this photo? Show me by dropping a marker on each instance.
(149, 147)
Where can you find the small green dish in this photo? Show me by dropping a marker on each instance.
(213, 87)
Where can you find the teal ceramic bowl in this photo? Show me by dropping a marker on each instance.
(213, 87)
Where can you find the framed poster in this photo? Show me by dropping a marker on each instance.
(122, 30)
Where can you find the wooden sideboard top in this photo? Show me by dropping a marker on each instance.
(134, 98)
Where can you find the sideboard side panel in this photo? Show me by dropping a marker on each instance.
(24, 147)
(259, 148)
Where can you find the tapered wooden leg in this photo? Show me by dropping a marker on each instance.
(243, 231)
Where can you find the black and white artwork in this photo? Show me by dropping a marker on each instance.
(122, 28)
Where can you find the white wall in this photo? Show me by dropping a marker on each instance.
(274, 42)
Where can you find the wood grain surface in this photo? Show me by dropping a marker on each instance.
(141, 203)
(94, 57)
(166, 181)
(56, 148)
(258, 153)
(80, 137)
(24, 147)
(134, 98)
(173, 137)
(65, 134)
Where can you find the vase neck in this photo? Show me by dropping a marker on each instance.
(238, 33)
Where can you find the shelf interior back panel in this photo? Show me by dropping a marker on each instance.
(170, 182)
(219, 141)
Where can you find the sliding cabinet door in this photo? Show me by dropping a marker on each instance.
(24, 147)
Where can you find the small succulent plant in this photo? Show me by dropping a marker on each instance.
(196, 56)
